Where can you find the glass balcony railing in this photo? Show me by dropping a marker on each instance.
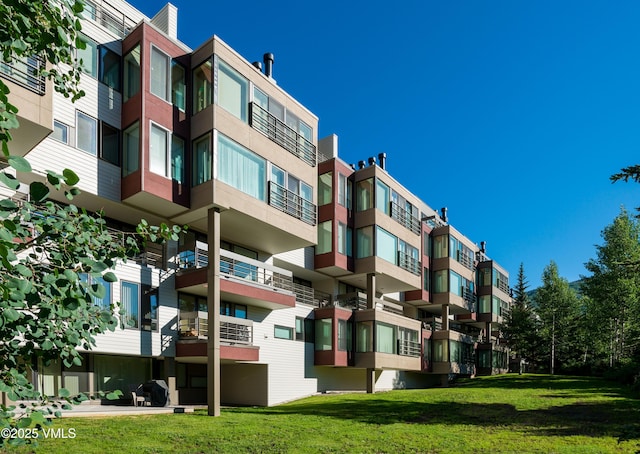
(238, 267)
(291, 203)
(405, 218)
(276, 130)
(25, 72)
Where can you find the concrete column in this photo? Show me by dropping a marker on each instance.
(213, 316)
(371, 291)
(371, 381)
(170, 377)
(488, 330)
(445, 317)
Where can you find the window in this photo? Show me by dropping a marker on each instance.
(109, 73)
(440, 281)
(178, 86)
(440, 247)
(324, 336)
(364, 196)
(241, 168)
(344, 191)
(441, 350)
(99, 298)
(88, 57)
(300, 329)
(426, 245)
(109, 143)
(364, 239)
(60, 132)
(233, 310)
(364, 337)
(344, 335)
(382, 197)
(455, 283)
(159, 73)
(386, 338)
(87, 133)
(484, 277)
(202, 83)
(484, 305)
(130, 301)
(233, 90)
(202, 168)
(158, 147)
(342, 238)
(325, 188)
(425, 279)
(131, 73)
(386, 246)
(282, 332)
(177, 159)
(149, 309)
(131, 149)
(324, 237)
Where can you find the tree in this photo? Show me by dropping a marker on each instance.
(520, 325)
(614, 289)
(47, 309)
(559, 311)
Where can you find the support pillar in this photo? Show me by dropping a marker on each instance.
(371, 381)
(170, 378)
(213, 316)
(371, 291)
(445, 317)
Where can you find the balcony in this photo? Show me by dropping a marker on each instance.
(283, 135)
(502, 285)
(310, 296)
(358, 301)
(405, 218)
(465, 259)
(470, 299)
(111, 19)
(409, 263)
(409, 348)
(194, 325)
(26, 73)
(291, 203)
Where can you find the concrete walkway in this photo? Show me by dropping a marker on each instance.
(84, 410)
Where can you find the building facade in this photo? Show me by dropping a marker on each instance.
(318, 275)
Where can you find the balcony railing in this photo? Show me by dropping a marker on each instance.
(109, 18)
(239, 267)
(465, 260)
(25, 72)
(233, 330)
(469, 298)
(409, 263)
(409, 348)
(276, 130)
(502, 285)
(291, 203)
(310, 296)
(405, 218)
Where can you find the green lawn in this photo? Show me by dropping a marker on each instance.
(529, 413)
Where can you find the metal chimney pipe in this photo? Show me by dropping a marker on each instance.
(268, 59)
(443, 214)
(361, 164)
(372, 161)
(483, 246)
(382, 159)
(257, 65)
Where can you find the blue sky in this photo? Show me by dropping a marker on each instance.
(513, 114)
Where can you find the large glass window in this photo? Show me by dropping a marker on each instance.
(177, 159)
(484, 305)
(159, 73)
(382, 197)
(440, 282)
(105, 301)
(109, 68)
(202, 83)
(131, 149)
(484, 277)
(131, 73)
(202, 168)
(324, 237)
(158, 150)
(130, 302)
(386, 339)
(87, 133)
(441, 350)
(440, 247)
(344, 336)
(149, 310)
(455, 285)
(386, 246)
(364, 336)
(240, 168)
(88, 57)
(342, 238)
(364, 239)
(282, 332)
(233, 91)
(364, 194)
(178, 86)
(110, 144)
(324, 337)
(325, 188)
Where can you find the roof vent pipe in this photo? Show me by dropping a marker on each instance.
(382, 159)
(372, 161)
(483, 247)
(268, 59)
(353, 166)
(361, 164)
(443, 214)
(257, 65)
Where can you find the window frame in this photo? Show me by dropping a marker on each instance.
(89, 43)
(64, 131)
(280, 329)
(125, 150)
(102, 147)
(94, 133)
(166, 96)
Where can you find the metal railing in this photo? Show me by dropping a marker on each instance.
(502, 285)
(409, 348)
(409, 263)
(465, 260)
(469, 298)
(26, 73)
(239, 267)
(233, 330)
(276, 130)
(291, 203)
(405, 218)
(310, 296)
(110, 18)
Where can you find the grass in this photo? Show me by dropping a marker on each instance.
(528, 413)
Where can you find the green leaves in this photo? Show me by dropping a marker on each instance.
(19, 163)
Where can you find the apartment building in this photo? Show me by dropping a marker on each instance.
(306, 274)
